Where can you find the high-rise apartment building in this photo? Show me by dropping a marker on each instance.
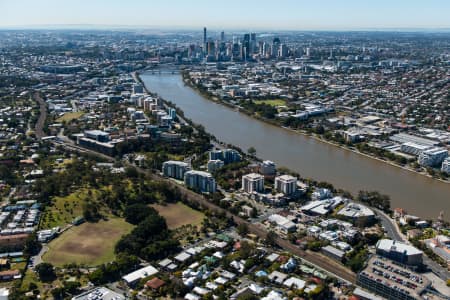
(286, 184)
(200, 181)
(175, 169)
(253, 182)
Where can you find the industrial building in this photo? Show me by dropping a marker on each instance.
(433, 157)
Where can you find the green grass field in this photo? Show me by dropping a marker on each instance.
(89, 243)
(274, 102)
(64, 209)
(179, 214)
(70, 116)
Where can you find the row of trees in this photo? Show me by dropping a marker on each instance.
(375, 199)
(113, 271)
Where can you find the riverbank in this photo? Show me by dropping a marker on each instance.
(312, 158)
(316, 137)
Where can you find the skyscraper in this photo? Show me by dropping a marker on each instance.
(283, 51)
(211, 48)
(204, 40)
(222, 37)
(246, 46)
(252, 43)
(275, 47)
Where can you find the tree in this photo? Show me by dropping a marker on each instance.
(248, 296)
(58, 293)
(371, 238)
(46, 272)
(176, 288)
(32, 286)
(91, 212)
(71, 287)
(131, 172)
(375, 199)
(271, 238)
(320, 129)
(136, 213)
(242, 229)
(150, 240)
(246, 250)
(32, 246)
(254, 212)
(251, 151)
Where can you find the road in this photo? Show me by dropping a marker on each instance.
(390, 226)
(37, 259)
(39, 127)
(320, 261)
(393, 231)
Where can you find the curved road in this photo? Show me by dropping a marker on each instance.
(393, 231)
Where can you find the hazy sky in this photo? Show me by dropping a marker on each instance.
(223, 14)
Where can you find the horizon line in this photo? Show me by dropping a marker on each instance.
(213, 28)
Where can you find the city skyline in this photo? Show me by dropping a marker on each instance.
(291, 15)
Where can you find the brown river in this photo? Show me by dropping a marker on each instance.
(311, 158)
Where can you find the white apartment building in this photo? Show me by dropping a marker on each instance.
(286, 184)
(253, 182)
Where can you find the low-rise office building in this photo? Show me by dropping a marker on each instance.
(357, 212)
(400, 252)
(98, 135)
(322, 207)
(283, 224)
(333, 252)
(137, 275)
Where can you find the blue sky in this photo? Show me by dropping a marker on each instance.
(230, 14)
